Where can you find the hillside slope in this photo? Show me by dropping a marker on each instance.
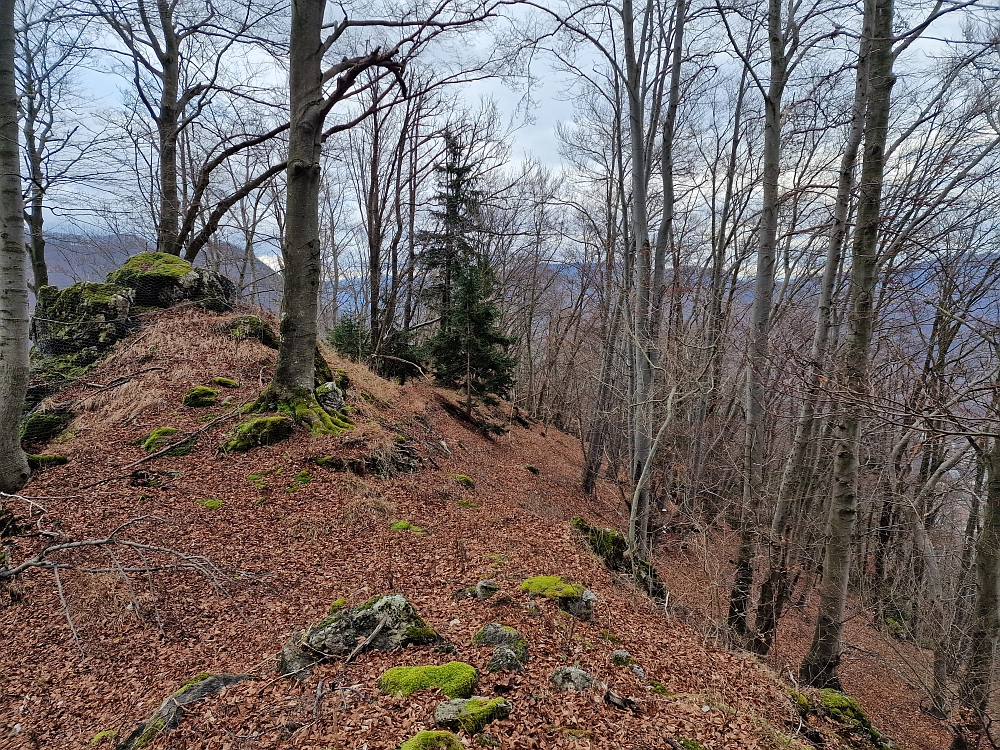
(290, 536)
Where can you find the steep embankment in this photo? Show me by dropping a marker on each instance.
(287, 537)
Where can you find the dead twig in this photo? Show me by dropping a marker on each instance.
(365, 642)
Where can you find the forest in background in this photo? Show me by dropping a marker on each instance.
(759, 287)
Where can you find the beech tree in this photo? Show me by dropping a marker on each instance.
(13, 278)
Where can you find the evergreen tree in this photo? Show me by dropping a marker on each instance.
(468, 350)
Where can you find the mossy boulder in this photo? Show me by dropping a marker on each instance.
(46, 461)
(172, 709)
(571, 679)
(200, 396)
(570, 597)
(845, 709)
(41, 425)
(161, 437)
(341, 631)
(612, 547)
(621, 658)
(496, 634)
(258, 431)
(432, 741)
(471, 715)
(504, 660)
(251, 327)
(225, 382)
(163, 280)
(78, 324)
(330, 397)
(455, 679)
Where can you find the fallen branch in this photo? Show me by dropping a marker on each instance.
(365, 642)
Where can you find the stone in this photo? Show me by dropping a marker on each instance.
(504, 660)
(569, 597)
(496, 634)
(432, 741)
(163, 280)
(621, 702)
(621, 658)
(330, 397)
(294, 662)
(258, 431)
(251, 327)
(84, 319)
(339, 633)
(638, 671)
(171, 711)
(486, 589)
(471, 715)
(571, 678)
(582, 608)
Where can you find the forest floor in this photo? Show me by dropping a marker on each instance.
(290, 537)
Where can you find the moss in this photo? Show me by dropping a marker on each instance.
(455, 679)
(846, 710)
(45, 461)
(301, 479)
(341, 380)
(65, 366)
(690, 744)
(436, 740)
(404, 525)
(801, 702)
(532, 469)
(150, 732)
(106, 734)
(225, 382)
(336, 605)
(159, 438)
(609, 636)
(323, 373)
(418, 635)
(478, 712)
(487, 740)
(150, 268)
(197, 679)
(464, 480)
(42, 426)
(659, 688)
(257, 479)
(303, 408)
(552, 587)
(210, 503)
(200, 396)
(258, 431)
(467, 504)
(252, 327)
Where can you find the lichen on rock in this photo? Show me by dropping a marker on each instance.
(496, 634)
(571, 678)
(455, 679)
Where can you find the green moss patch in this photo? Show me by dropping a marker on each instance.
(468, 504)
(107, 734)
(200, 396)
(552, 587)
(252, 327)
(41, 426)
(404, 525)
(336, 605)
(432, 741)
(472, 715)
(612, 547)
(301, 479)
(162, 437)
(210, 504)
(846, 710)
(150, 268)
(225, 382)
(46, 461)
(455, 679)
(258, 431)
(464, 480)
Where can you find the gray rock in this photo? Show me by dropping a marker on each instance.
(533, 609)
(330, 397)
(496, 634)
(83, 320)
(486, 589)
(621, 658)
(294, 662)
(471, 714)
(504, 660)
(571, 678)
(638, 671)
(171, 711)
(341, 632)
(582, 608)
(161, 280)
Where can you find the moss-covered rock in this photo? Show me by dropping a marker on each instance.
(471, 715)
(465, 481)
(432, 741)
(570, 597)
(161, 437)
(172, 710)
(251, 327)
(78, 324)
(341, 631)
(621, 658)
(200, 396)
(612, 547)
(46, 461)
(846, 710)
(571, 679)
(258, 431)
(162, 280)
(225, 382)
(41, 425)
(504, 660)
(455, 679)
(496, 634)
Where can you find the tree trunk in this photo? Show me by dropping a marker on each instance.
(819, 667)
(795, 477)
(167, 121)
(13, 282)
